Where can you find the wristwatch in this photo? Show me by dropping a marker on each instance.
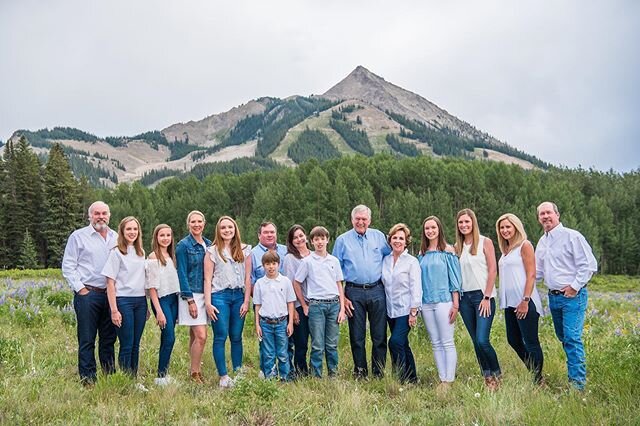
(526, 298)
(486, 298)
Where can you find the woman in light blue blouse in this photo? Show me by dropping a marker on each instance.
(441, 280)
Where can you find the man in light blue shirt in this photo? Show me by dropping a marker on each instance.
(84, 257)
(565, 261)
(360, 252)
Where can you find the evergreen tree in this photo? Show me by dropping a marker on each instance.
(28, 258)
(61, 204)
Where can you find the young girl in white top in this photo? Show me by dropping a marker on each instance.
(477, 305)
(518, 294)
(125, 275)
(227, 272)
(164, 287)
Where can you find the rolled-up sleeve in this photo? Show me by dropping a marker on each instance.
(415, 287)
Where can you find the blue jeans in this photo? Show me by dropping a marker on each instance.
(369, 302)
(94, 319)
(229, 324)
(522, 335)
(169, 306)
(568, 320)
(404, 365)
(479, 329)
(325, 332)
(134, 317)
(275, 343)
(300, 339)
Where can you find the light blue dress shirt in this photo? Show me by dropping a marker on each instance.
(361, 256)
(257, 270)
(84, 257)
(441, 276)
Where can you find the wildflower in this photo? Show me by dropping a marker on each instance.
(477, 394)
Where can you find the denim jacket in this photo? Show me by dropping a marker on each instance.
(190, 259)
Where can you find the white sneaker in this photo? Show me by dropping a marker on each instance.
(140, 387)
(261, 375)
(164, 381)
(226, 383)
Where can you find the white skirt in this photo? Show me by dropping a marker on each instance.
(184, 318)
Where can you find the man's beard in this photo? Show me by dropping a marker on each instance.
(100, 226)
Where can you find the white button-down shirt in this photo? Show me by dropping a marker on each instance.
(84, 257)
(402, 284)
(564, 257)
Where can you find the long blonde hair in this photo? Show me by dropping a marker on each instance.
(236, 241)
(156, 247)
(122, 241)
(475, 233)
(518, 238)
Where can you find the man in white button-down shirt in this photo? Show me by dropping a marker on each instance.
(565, 261)
(86, 252)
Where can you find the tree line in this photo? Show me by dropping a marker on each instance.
(48, 203)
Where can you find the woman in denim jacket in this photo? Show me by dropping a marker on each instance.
(191, 310)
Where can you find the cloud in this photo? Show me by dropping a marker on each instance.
(558, 80)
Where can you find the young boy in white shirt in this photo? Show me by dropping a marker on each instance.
(326, 301)
(273, 297)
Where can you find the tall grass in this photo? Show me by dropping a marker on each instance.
(39, 383)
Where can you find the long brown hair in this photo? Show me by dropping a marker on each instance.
(122, 241)
(156, 247)
(475, 232)
(292, 248)
(236, 241)
(442, 241)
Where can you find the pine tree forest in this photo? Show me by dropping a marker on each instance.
(41, 204)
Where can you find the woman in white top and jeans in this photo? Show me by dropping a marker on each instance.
(124, 270)
(518, 294)
(227, 273)
(478, 305)
(164, 287)
(403, 291)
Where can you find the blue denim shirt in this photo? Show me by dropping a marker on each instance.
(190, 259)
(441, 276)
(361, 256)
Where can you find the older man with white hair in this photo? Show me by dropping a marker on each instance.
(85, 254)
(360, 252)
(565, 262)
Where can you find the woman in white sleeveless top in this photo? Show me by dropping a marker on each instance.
(477, 304)
(518, 294)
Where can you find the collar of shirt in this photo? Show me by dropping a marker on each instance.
(196, 243)
(555, 232)
(317, 256)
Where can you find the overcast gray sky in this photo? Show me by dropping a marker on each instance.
(557, 79)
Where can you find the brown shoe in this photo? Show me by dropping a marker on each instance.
(197, 377)
(491, 383)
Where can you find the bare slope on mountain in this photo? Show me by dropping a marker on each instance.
(206, 132)
(363, 85)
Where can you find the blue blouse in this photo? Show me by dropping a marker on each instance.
(441, 276)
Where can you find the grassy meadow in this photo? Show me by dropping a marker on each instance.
(39, 382)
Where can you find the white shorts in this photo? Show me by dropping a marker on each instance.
(183, 311)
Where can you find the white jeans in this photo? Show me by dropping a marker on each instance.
(436, 318)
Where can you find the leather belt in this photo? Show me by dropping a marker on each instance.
(364, 286)
(274, 320)
(96, 289)
(332, 300)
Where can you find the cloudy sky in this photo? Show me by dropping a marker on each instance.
(560, 80)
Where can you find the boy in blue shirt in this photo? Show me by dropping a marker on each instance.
(326, 301)
(273, 297)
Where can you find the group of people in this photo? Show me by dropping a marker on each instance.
(301, 294)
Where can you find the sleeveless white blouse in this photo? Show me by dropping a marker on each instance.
(474, 268)
(513, 279)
